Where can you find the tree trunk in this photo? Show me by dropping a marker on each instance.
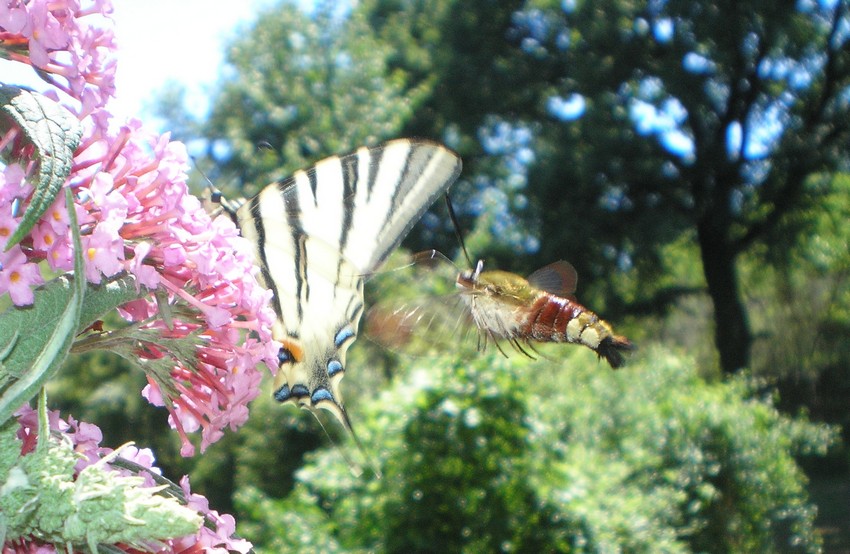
(731, 328)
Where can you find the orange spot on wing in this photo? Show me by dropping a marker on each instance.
(294, 348)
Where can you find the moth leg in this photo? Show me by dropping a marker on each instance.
(518, 346)
(496, 342)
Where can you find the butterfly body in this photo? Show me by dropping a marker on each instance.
(505, 306)
(317, 235)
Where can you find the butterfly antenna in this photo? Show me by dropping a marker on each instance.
(456, 226)
(215, 195)
(210, 185)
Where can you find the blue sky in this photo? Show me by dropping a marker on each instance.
(161, 40)
(181, 40)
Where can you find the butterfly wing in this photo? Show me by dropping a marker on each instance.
(317, 234)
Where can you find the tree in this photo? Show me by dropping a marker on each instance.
(691, 117)
(603, 131)
(302, 87)
(487, 459)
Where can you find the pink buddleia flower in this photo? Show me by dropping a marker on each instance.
(28, 548)
(203, 265)
(164, 237)
(18, 276)
(146, 275)
(45, 33)
(195, 277)
(70, 42)
(12, 183)
(136, 217)
(13, 17)
(208, 540)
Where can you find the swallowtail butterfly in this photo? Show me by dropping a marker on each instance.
(317, 235)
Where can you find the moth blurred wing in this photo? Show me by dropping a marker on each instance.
(422, 327)
(559, 278)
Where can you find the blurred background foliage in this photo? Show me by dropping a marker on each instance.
(689, 158)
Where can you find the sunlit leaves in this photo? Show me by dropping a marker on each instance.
(480, 457)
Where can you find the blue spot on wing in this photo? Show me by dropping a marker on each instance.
(300, 391)
(283, 394)
(334, 367)
(321, 394)
(343, 335)
(284, 356)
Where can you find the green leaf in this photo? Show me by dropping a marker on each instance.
(45, 331)
(55, 133)
(23, 330)
(96, 507)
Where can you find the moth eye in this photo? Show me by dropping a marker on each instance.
(216, 196)
(334, 367)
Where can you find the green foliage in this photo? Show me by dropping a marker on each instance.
(512, 455)
(303, 88)
(58, 311)
(41, 497)
(54, 133)
(807, 297)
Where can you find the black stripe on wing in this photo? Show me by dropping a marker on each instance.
(349, 165)
(375, 156)
(420, 184)
(259, 228)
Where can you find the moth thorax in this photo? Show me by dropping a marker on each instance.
(498, 318)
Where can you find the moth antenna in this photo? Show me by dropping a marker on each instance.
(430, 257)
(426, 258)
(479, 267)
(456, 226)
